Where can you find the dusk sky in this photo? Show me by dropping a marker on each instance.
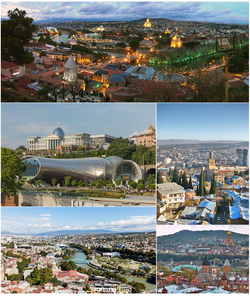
(227, 12)
(38, 220)
(166, 230)
(20, 121)
(203, 121)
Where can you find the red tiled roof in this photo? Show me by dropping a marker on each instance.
(8, 65)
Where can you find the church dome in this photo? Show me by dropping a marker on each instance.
(58, 132)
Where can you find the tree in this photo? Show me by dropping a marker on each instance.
(201, 191)
(12, 169)
(150, 179)
(184, 181)
(159, 178)
(93, 43)
(190, 185)
(15, 34)
(81, 270)
(22, 148)
(175, 176)
(213, 188)
(134, 44)
(133, 184)
(74, 183)
(53, 181)
(38, 183)
(141, 186)
(67, 181)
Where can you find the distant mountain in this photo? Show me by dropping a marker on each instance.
(193, 141)
(67, 232)
(187, 236)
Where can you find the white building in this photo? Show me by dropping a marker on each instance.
(57, 138)
(170, 195)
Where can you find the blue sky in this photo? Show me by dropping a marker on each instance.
(203, 121)
(20, 121)
(38, 220)
(228, 12)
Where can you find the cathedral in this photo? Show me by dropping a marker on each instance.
(228, 240)
(147, 24)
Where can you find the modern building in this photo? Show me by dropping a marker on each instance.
(57, 138)
(241, 157)
(87, 169)
(101, 140)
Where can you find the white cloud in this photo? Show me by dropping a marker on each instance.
(45, 215)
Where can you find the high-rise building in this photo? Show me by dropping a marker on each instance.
(241, 157)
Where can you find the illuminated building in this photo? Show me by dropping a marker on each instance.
(147, 24)
(70, 70)
(176, 42)
(167, 31)
(228, 240)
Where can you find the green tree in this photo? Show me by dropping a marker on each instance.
(74, 183)
(141, 186)
(184, 181)
(15, 33)
(190, 185)
(213, 188)
(67, 181)
(175, 176)
(133, 184)
(53, 181)
(81, 269)
(12, 169)
(38, 183)
(159, 178)
(134, 44)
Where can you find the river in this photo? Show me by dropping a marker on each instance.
(81, 256)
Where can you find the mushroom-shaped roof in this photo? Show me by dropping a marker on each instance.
(70, 64)
(58, 132)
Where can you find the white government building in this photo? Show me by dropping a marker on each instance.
(57, 138)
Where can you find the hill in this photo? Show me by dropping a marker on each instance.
(187, 236)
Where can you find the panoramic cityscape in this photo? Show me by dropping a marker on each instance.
(80, 169)
(202, 259)
(125, 52)
(124, 147)
(202, 167)
(68, 250)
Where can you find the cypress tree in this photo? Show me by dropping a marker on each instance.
(179, 181)
(190, 185)
(213, 188)
(175, 176)
(184, 181)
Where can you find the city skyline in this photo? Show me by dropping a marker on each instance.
(39, 220)
(168, 230)
(205, 122)
(219, 12)
(119, 120)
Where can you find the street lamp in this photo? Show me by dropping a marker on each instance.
(226, 44)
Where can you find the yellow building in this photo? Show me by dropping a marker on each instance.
(176, 42)
(147, 24)
(167, 31)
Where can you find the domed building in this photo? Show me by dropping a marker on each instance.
(70, 70)
(176, 42)
(57, 138)
(147, 24)
(58, 132)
